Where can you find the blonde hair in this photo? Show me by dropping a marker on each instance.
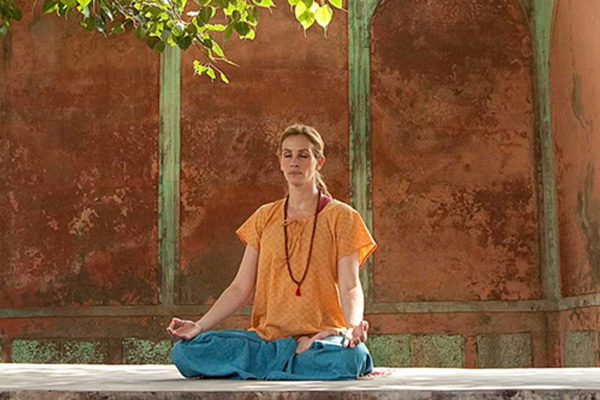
(317, 148)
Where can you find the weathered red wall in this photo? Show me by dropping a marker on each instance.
(575, 84)
(228, 144)
(78, 208)
(455, 195)
(454, 187)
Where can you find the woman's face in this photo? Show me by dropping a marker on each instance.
(297, 161)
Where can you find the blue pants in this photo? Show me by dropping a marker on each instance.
(238, 354)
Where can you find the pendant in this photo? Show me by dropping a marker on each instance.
(298, 292)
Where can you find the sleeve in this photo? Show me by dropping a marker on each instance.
(251, 230)
(352, 235)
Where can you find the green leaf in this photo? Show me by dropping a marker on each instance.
(336, 3)
(293, 2)
(3, 31)
(68, 3)
(216, 27)
(323, 15)
(223, 77)
(118, 29)
(84, 3)
(108, 13)
(17, 15)
(178, 29)
(241, 28)
(205, 15)
(160, 46)
(228, 32)
(140, 32)
(250, 35)
(191, 29)
(307, 23)
(299, 10)
(217, 49)
(264, 3)
(184, 42)
(199, 68)
(49, 6)
(88, 23)
(211, 72)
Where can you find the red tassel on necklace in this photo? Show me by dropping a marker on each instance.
(298, 292)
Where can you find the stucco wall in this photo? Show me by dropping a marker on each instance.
(458, 278)
(78, 118)
(229, 139)
(454, 190)
(575, 83)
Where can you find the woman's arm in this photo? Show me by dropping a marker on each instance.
(352, 299)
(231, 300)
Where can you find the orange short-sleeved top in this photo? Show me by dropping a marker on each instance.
(277, 311)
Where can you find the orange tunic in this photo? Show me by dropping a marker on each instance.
(277, 311)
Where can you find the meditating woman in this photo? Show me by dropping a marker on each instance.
(301, 261)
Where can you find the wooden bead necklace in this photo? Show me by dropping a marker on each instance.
(312, 238)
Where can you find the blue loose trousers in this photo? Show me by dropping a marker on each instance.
(238, 354)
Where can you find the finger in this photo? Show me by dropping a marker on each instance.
(173, 334)
(347, 339)
(174, 323)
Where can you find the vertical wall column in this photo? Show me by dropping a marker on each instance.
(543, 10)
(359, 21)
(549, 262)
(168, 174)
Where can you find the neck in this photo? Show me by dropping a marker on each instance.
(303, 197)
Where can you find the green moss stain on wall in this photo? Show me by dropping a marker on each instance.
(504, 350)
(437, 350)
(141, 351)
(59, 351)
(390, 350)
(579, 349)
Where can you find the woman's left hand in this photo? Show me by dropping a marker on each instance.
(356, 334)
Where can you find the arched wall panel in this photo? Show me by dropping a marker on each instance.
(228, 162)
(78, 166)
(455, 202)
(574, 84)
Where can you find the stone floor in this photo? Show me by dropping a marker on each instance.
(36, 381)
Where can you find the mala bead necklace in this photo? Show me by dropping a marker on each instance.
(312, 238)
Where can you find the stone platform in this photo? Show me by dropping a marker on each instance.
(74, 382)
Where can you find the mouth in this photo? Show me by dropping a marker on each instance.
(294, 173)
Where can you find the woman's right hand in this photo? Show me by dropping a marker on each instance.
(304, 342)
(183, 329)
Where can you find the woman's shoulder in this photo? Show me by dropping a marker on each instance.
(271, 207)
(340, 208)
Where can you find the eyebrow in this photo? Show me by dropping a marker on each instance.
(298, 150)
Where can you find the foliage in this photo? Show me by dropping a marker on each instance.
(179, 23)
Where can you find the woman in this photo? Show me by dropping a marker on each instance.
(302, 258)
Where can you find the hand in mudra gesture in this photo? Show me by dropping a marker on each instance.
(356, 334)
(183, 329)
(304, 342)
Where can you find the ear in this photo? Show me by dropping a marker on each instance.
(320, 162)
